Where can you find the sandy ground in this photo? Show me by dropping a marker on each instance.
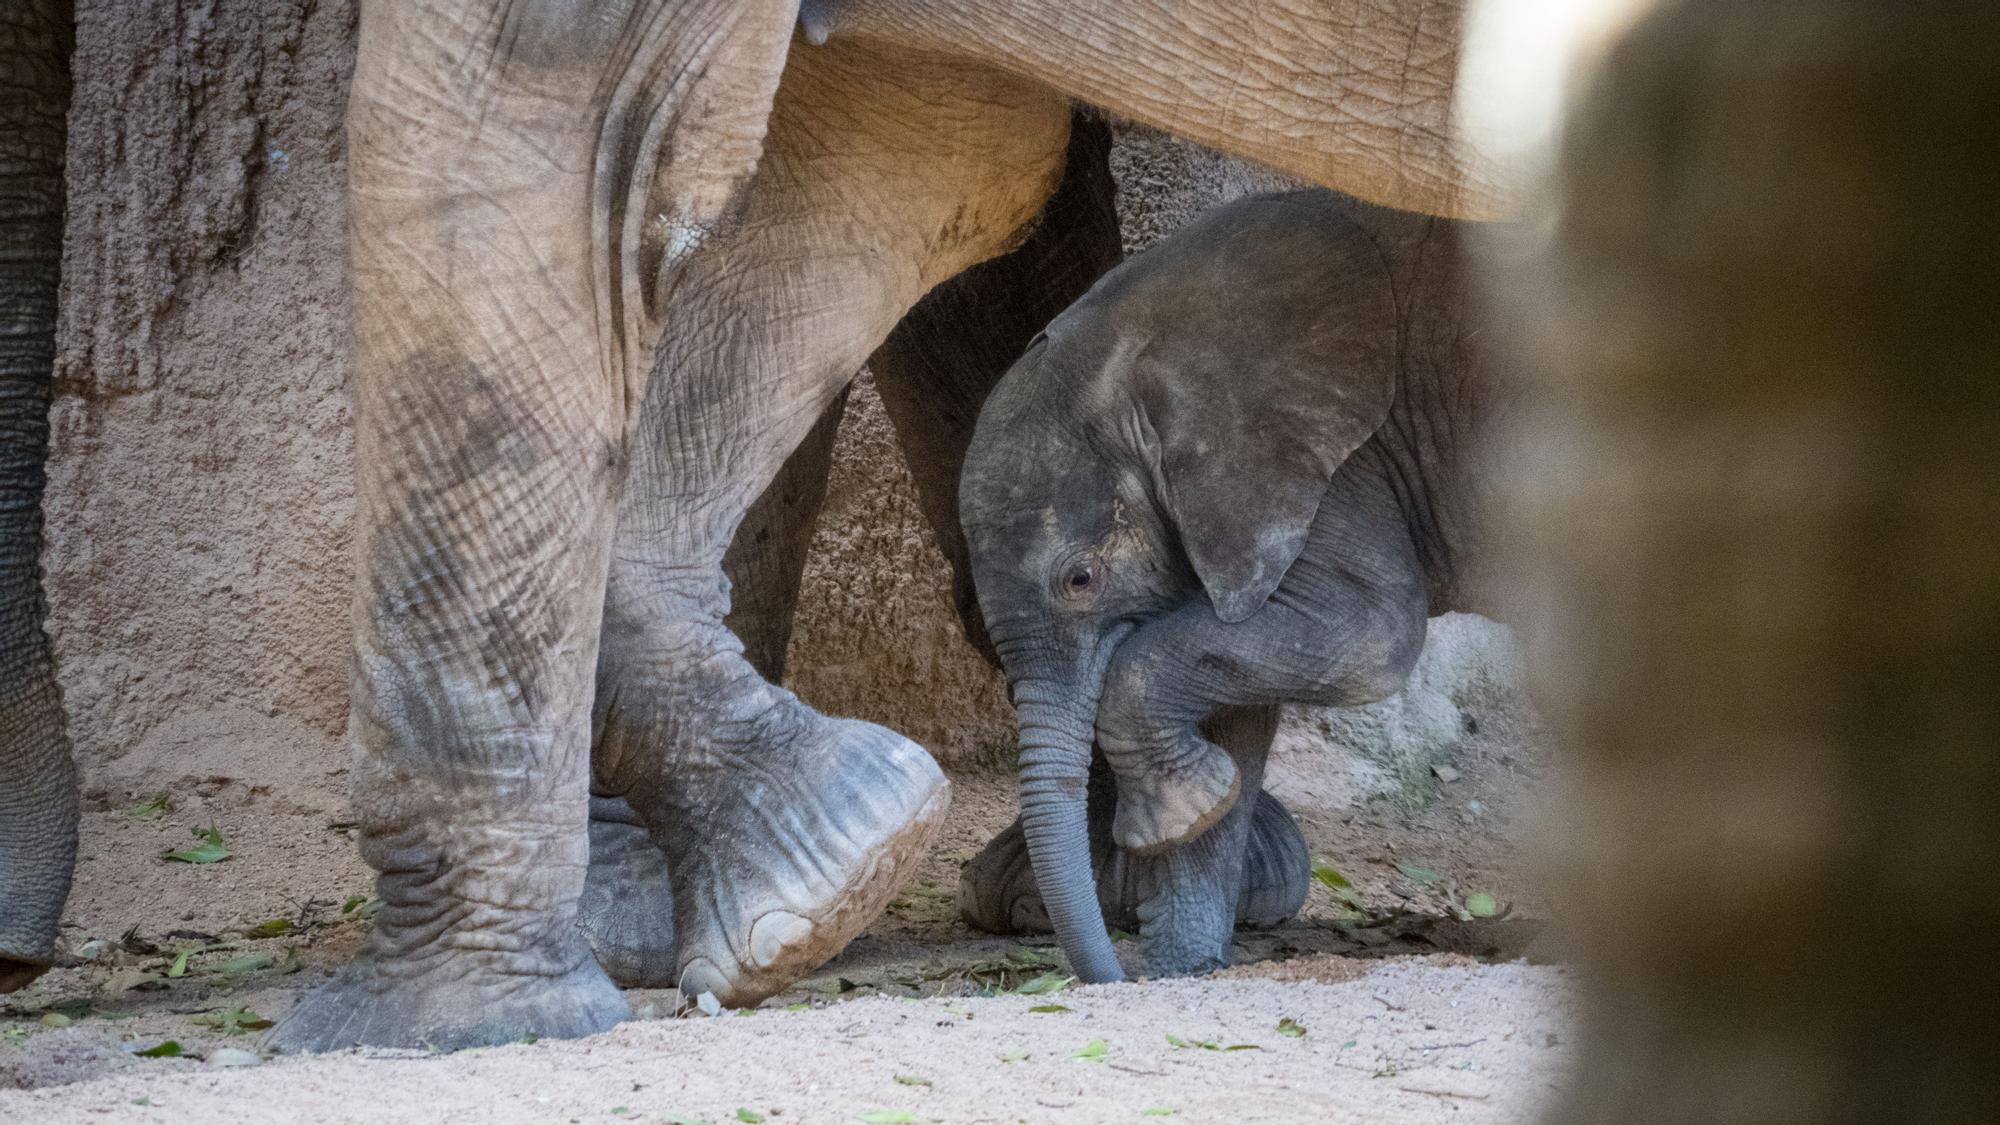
(1411, 1011)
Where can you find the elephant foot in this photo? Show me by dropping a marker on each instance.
(1175, 797)
(379, 1001)
(997, 891)
(627, 908)
(784, 848)
(17, 973)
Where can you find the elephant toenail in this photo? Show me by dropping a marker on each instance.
(700, 975)
(775, 932)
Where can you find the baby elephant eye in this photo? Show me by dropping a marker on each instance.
(1081, 576)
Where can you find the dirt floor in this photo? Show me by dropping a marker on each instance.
(1406, 1007)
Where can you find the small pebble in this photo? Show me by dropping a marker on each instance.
(232, 1057)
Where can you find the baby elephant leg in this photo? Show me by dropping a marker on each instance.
(997, 892)
(1344, 628)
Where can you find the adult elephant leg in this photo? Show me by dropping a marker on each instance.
(627, 908)
(504, 309)
(936, 369)
(38, 801)
(785, 830)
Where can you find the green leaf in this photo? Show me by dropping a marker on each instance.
(888, 1117)
(1291, 1028)
(1479, 904)
(14, 1036)
(1330, 875)
(1013, 1054)
(1093, 1051)
(231, 1021)
(749, 1115)
(836, 986)
(1156, 1111)
(1045, 985)
(913, 1080)
(1243, 1047)
(180, 966)
(151, 808)
(167, 1050)
(801, 1006)
(269, 927)
(1031, 957)
(210, 850)
(1048, 1008)
(1122, 935)
(1349, 1043)
(677, 1119)
(620, 1110)
(237, 966)
(1417, 872)
(56, 1019)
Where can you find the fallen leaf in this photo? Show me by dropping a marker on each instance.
(231, 1021)
(1479, 904)
(1047, 984)
(56, 1019)
(1013, 1054)
(913, 1080)
(888, 1116)
(1093, 1051)
(837, 986)
(749, 1115)
(124, 980)
(269, 927)
(1156, 1111)
(1418, 873)
(1291, 1028)
(151, 808)
(1048, 1008)
(179, 968)
(210, 850)
(167, 1050)
(237, 966)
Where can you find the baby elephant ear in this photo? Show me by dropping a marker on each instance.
(1257, 403)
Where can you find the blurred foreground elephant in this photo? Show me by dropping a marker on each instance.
(1760, 486)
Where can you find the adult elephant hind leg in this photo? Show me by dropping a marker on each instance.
(787, 830)
(38, 797)
(946, 354)
(627, 910)
(500, 335)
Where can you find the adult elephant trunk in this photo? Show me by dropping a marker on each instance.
(38, 803)
(1057, 720)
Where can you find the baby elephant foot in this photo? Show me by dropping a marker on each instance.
(627, 909)
(784, 849)
(1171, 798)
(997, 891)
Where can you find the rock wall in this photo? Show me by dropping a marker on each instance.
(200, 492)
(200, 489)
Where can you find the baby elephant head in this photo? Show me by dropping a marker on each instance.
(1154, 461)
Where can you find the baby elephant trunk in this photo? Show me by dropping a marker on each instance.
(1056, 724)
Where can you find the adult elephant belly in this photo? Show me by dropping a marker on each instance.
(885, 172)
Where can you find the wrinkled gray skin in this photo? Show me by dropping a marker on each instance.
(1236, 473)
(613, 265)
(38, 800)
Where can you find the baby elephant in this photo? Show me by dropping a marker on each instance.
(1240, 471)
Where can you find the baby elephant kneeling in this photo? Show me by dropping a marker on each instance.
(1238, 472)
